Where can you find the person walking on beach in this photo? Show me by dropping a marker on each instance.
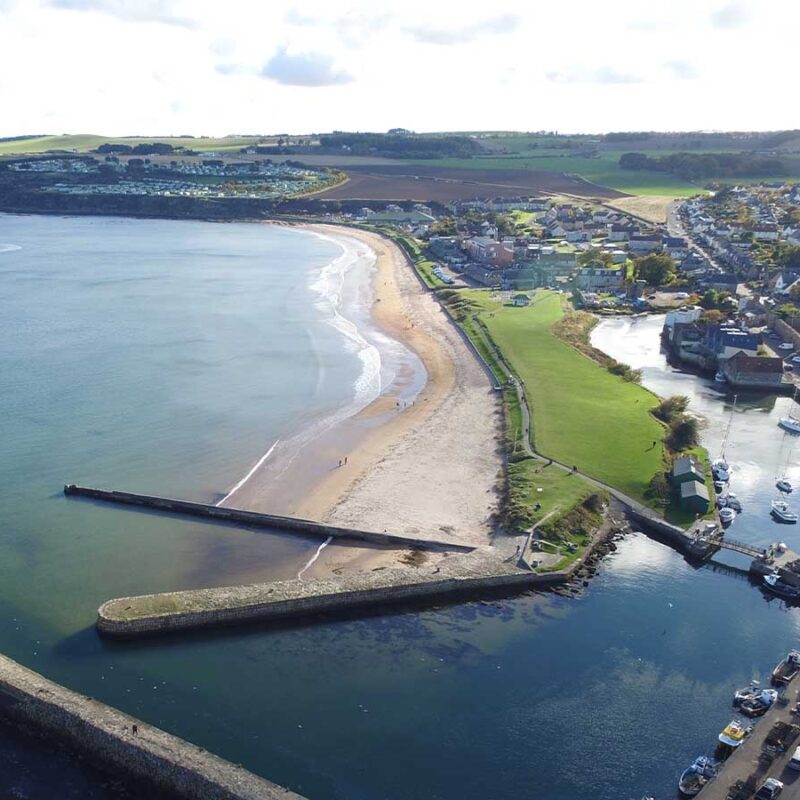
(340, 462)
(345, 459)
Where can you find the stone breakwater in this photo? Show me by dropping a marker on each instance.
(259, 520)
(123, 745)
(199, 608)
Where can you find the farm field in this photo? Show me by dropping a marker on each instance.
(604, 171)
(427, 182)
(582, 414)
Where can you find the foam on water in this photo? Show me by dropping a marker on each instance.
(9, 248)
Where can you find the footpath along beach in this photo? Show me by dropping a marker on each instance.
(422, 455)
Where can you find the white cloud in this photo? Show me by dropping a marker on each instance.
(304, 69)
(731, 15)
(162, 11)
(603, 75)
(682, 70)
(455, 34)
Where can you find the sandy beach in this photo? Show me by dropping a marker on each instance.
(427, 468)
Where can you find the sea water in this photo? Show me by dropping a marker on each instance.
(168, 356)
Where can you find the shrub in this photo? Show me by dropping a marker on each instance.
(667, 410)
(684, 433)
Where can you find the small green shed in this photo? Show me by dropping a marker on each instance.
(686, 469)
(694, 497)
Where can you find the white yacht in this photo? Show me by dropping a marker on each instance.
(727, 515)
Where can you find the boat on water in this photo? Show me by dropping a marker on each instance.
(734, 733)
(730, 500)
(782, 513)
(787, 668)
(784, 486)
(759, 705)
(720, 377)
(697, 775)
(774, 585)
(720, 471)
(791, 424)
(727, 515)
(747, 693)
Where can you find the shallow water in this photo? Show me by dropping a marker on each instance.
(607, 696)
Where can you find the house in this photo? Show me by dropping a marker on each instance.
(726, 341)
(594, 278)
(483, 274)
(753, 371)
(782, 282)
(685, 315)
(722, 282)
(676, 247)
(392, 217)
(694, 497)
(521, 300)
(555, 230)
(765, 232)
(646, 243)
(620, 232)
(686, 469)
(490, 251)
(578, 236)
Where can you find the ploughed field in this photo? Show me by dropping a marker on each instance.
(432, 183)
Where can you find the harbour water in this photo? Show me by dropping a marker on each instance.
(118, 383)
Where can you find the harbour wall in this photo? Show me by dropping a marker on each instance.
(123, 745)
(280, 600)
(258, 520)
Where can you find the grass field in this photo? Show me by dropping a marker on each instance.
(582, 414)
(85, 142)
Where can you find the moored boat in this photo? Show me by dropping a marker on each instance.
(720, 377)
(774, 585)
(758, 705)
(734, 733)
(727, 515)
(781, 512)
(784, 486)
(787, 669)
(791, 424)
(697, 775)
(747, 693)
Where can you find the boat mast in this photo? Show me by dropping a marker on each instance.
(728, 429)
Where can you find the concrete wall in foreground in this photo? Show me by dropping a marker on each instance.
(105, 736)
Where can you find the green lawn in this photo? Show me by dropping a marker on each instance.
(582, 414)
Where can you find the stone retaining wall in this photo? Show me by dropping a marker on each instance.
(105, 736)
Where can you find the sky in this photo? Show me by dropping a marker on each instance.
(171, 67)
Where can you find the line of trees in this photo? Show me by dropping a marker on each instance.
(700, 166)
(400, 146)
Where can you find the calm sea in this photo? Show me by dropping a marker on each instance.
(167, 356)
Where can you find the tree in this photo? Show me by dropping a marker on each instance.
(655, 269)
(595, 256)
(710, 299)
(788, 255)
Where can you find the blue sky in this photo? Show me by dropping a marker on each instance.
(124, 67)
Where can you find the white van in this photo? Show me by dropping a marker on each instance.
(794, 761)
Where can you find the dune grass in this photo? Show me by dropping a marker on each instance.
(582, 414)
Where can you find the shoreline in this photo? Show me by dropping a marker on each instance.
(381, 441)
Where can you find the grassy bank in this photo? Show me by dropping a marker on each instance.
(582, 414)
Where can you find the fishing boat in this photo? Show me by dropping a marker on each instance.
(781, 512)
(759, 705)
(784, 486)
(774, 585)
(727, 515)
(734, 733)
(787, 668)
(740, 695)
(697, 775)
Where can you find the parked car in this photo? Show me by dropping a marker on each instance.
(795, 359)
(785, 346)
(770, 789)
